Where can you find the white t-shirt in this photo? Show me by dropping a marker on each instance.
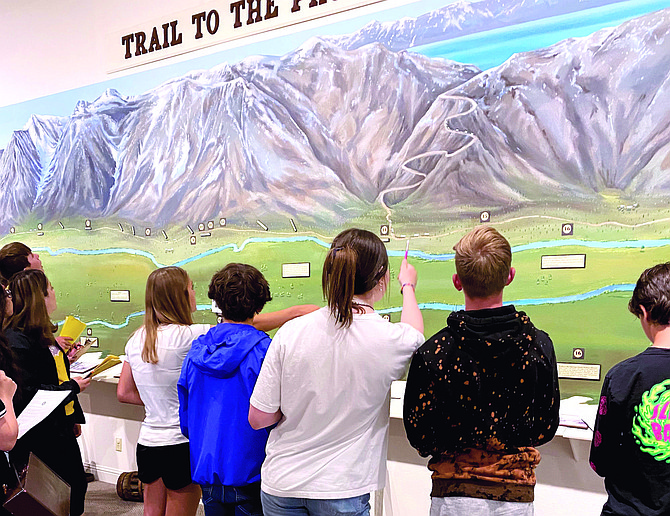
(332, 385)
(157, 383)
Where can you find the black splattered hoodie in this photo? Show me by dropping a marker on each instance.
(480, 394)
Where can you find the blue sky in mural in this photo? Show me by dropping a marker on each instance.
(484, 49)
(492, 48)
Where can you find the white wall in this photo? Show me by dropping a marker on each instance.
(53, 46)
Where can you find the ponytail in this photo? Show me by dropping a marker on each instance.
(338, 282)
(355, 264)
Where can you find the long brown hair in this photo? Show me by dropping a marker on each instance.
(166, 302)
(29, 291)
(354, 265)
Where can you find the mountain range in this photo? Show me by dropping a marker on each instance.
(320, 133)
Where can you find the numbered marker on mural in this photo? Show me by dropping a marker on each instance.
(578, 353)
(384, 230)
(192, 239)
(40, 226)
(210, 224)
(87, 224)
(147, 231)
(222, 222)
(567, 229)
(201, 226)
(12, 230)
(485, 216)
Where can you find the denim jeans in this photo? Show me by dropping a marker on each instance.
(280, 506)
(232, 501)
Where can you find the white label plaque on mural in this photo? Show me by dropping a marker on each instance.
(211, 24)
(119, 296)
(564, 261)
(578, 371)
(295, 270)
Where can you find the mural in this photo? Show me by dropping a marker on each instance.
(549, 120)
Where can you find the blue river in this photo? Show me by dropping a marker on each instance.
(547, 244)
(626, 287)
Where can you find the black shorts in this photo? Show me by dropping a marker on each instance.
(171, 463)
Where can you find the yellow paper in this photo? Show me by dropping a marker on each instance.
(72, 328)
(109, 361)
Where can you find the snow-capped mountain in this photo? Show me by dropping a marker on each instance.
(574, 119)
(321, 132)
(457, 19)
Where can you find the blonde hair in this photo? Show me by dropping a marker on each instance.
(483, 261)
(166, 302)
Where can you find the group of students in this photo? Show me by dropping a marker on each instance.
(34, 359)
(299, 425)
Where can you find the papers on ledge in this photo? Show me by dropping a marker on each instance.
(90, 364)
(575, 413)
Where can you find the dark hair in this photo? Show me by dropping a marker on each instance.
(240, 291)
(355, 264)
(29, 289)
(653, 292)
(13, 258)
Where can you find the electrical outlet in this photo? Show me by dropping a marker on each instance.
(118, 444)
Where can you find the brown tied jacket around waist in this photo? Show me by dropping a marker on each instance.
(503, 475)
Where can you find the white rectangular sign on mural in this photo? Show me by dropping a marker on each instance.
(213, 24)
(295, 270)
(563, 261)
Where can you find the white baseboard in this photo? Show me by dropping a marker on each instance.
(103, 473)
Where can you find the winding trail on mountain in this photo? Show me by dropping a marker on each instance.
(471, 106)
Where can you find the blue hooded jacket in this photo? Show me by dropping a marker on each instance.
(216, 382)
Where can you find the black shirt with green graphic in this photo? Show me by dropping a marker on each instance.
(631, 439)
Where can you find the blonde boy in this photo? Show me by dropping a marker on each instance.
(483, 391)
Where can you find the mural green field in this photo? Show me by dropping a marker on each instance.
(580, 308)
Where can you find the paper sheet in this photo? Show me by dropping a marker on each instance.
(86, 363)
(42, 404)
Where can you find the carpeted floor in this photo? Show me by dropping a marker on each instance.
(102, 500)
